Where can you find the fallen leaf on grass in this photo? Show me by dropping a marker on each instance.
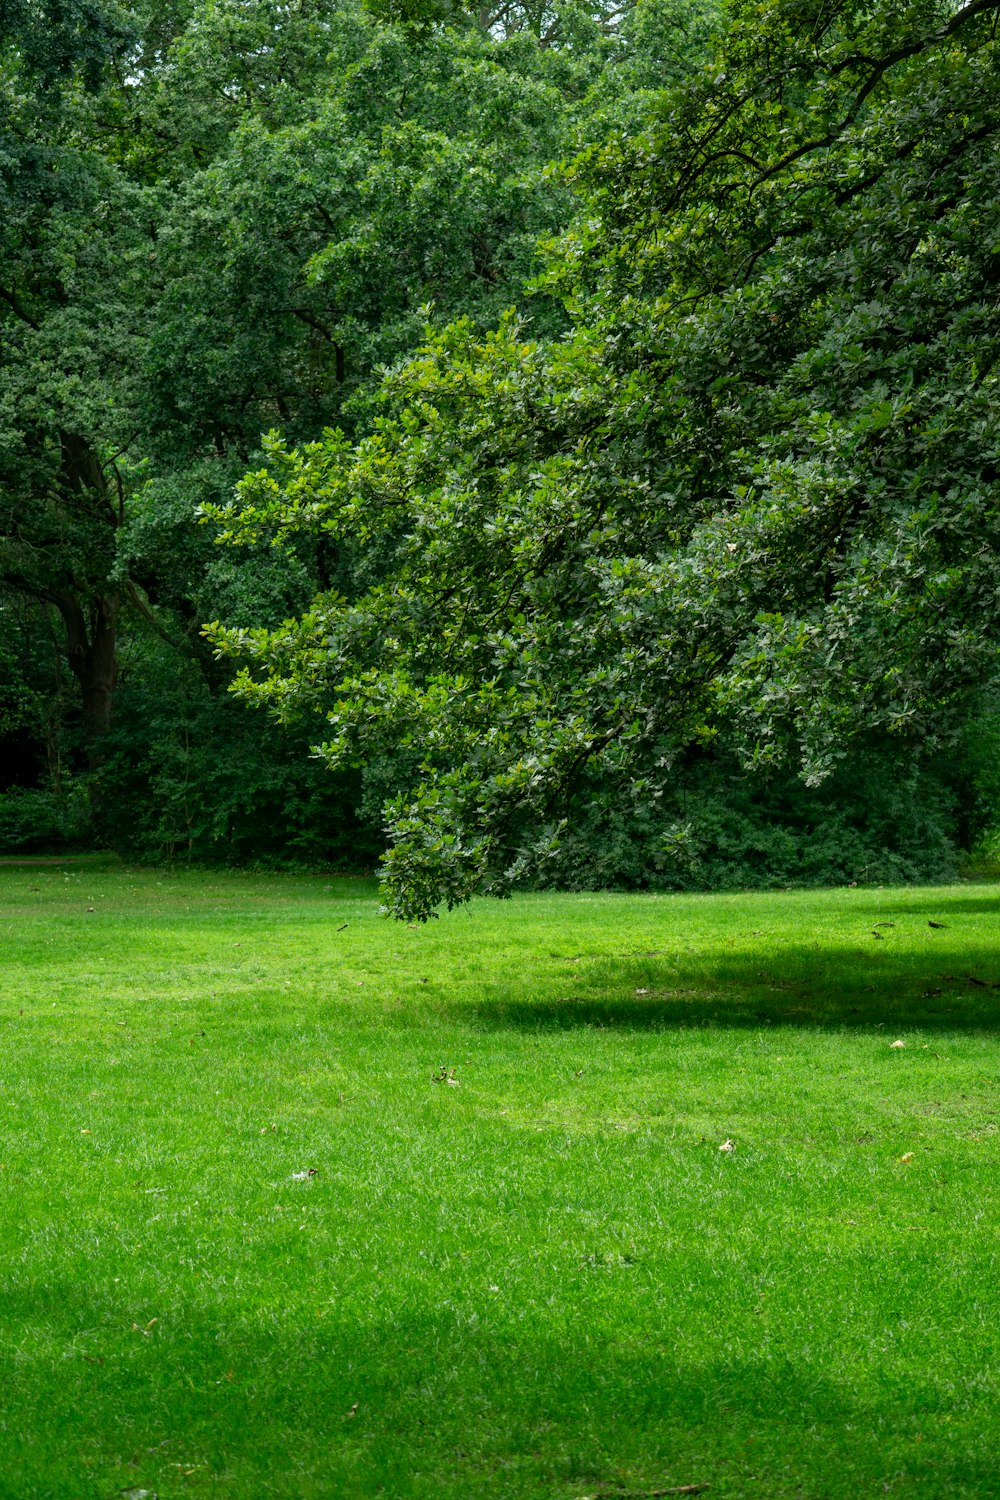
(906, 1156)
(897, 1044)
(304, 1176)
(935, 924)
(445, 1075)
(727, 1145)
(351, 1413)
(138, 1494)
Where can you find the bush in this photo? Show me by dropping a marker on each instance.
(188, 773)
(717, 829)
(38, 820)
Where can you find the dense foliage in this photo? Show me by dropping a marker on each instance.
(217, 217)
(666, 555)
(749, 498)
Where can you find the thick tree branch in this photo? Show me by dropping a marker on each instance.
(13, 302)
(144, 609)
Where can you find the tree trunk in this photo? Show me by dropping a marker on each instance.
(91, 647)
(91, 618)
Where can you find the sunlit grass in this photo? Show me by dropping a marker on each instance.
(537, 1276)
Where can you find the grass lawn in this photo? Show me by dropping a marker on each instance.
(539, 1275)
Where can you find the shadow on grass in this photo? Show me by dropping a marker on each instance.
(948, 985)
(656, 1014)
(919, 903)
(360, 1407)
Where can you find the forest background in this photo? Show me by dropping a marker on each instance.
(229, 218)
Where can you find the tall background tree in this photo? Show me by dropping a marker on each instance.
(66, 341)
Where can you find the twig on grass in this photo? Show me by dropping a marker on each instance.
(676, 1489)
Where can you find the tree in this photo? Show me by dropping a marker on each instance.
(64, 347)
(752, 493)
(219, 216)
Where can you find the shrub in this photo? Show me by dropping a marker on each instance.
(39, 820)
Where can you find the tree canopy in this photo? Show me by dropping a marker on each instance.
(218, 216)
(751, 490)
(221, 216)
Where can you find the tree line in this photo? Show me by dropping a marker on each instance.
(577, 423)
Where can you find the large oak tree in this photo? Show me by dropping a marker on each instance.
(752, 492)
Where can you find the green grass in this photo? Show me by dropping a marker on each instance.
(541, 1280)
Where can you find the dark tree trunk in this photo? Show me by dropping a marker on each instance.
(81, 472)
(80, 587)
(91, 638)
(91, 616)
